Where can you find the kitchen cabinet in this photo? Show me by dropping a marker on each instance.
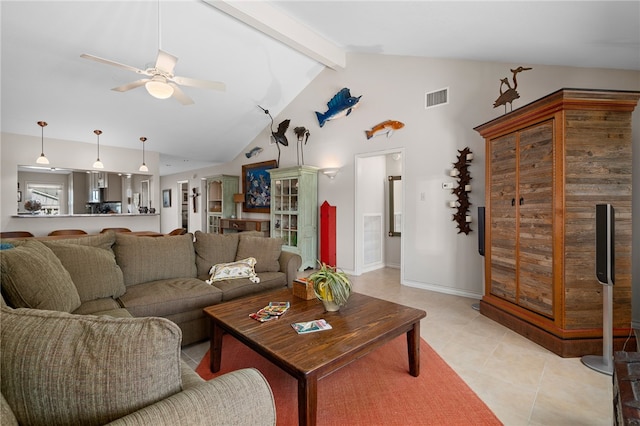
(548, 164)
(104, 186)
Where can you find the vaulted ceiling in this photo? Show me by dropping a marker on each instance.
(266, 53)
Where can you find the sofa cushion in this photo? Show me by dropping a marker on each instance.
(212, 249)
(94, 271)
(232, 289)
(59, 368)
(90, 307)
(144, 259)
(104, 240)
(33, 277)
(265, 250)
(166, 297)
(244, 268)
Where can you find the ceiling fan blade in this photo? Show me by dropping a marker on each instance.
(166, 61)
(202, 84)
(113, 63)
(131, 85)
(180, 95)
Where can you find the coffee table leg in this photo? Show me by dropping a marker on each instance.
(216, 346)
(413, 345)
(307, 400)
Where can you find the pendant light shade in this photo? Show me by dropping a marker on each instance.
(98, 164)
(42, 159)
(143, 167)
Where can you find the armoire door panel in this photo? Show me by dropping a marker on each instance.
(503, 218)
(535, 216)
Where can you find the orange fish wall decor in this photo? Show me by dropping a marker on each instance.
(386, 127)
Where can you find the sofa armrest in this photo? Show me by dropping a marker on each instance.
(289, 264)
(242, 397)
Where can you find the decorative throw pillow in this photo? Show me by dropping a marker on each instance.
(94, 271)
(228, 271)
(265, 250)
(33, 277)
(59, 368)
(212, 249)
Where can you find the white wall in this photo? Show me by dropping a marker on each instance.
(23, 150)
(393, 87)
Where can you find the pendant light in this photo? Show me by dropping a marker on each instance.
(143, 167)
(98, 164)
(42, 159)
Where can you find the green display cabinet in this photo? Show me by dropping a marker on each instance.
(294, 211)
(220, 205)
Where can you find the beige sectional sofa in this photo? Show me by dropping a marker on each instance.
(117, 308)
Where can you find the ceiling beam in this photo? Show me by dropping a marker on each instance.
(269, 20)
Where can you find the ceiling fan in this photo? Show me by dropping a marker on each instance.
(162, 83)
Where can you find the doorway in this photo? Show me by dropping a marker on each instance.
(374, 247)
(183, 211)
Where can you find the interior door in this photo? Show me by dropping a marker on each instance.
(535, 228)
(503, 217)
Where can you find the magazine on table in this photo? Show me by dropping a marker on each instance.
(311, 326)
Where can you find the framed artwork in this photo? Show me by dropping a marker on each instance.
(256, 186)
(185, 197)
(166, 198)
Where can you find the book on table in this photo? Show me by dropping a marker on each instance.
(311, 326)
(273, 310)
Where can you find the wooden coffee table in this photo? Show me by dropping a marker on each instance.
(361, 326)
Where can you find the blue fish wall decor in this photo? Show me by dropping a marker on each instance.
(255, 151)
(340, 105)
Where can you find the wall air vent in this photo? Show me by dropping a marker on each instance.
(435, 98)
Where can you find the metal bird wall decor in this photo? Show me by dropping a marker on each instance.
(302, 134)
(278, 137)
(511, 94)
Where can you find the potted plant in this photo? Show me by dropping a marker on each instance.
(331, 286)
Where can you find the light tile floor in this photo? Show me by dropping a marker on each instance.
(522, 383)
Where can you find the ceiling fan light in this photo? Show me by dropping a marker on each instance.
(159, 88)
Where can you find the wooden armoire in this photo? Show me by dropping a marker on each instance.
(548, 164)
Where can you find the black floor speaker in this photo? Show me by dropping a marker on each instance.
(604, 259)
(481, 231)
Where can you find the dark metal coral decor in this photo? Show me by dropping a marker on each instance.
(462, 217)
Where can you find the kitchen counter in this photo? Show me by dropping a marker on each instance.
(100, 215)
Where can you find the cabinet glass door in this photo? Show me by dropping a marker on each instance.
(285, 203)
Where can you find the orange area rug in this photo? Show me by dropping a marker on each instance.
(373, 390)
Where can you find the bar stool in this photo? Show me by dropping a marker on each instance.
(178, 231)
(15, 234)
(67, 232)
(115, 230)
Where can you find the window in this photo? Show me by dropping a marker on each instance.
(48, 194)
